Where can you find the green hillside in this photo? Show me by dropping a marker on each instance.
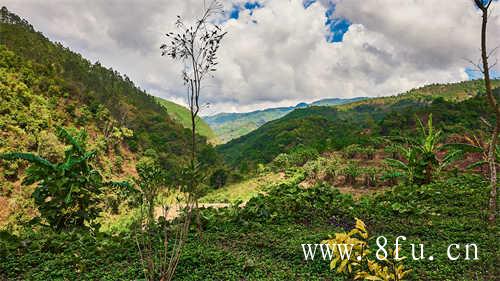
(44, 85)
(181, 114)
(228, 126)
(100, 184)
(66, 79)
(456, 107)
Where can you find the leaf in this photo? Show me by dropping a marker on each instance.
(32, 158)
(476, 164)
(342, 266)
(121, 184)
(70, 139)
(396, 164)
(67, 200)
(360, 225)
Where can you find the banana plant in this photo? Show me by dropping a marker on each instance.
(420, 153)
(67, 194)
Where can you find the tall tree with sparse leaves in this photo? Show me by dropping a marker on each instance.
(196, 47)
(484, 6)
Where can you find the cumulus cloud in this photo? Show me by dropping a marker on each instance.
(277, 53)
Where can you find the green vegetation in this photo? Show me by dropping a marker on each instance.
(44, 85)
(457, 108)
(229, 126)
(73, 91)
(349, 173)
(67, 193)
(241, 191)
(181, 114)
(262, 240)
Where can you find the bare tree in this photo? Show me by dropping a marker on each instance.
(196, 46)
(484, 5)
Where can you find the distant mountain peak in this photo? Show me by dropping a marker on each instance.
(228, 126)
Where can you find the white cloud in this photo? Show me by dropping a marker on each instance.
(277, 55)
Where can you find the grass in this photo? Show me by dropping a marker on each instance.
(241, 191)
(182, 115)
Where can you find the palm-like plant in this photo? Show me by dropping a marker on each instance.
(428, 144)
(67, 193)
(421, 155)
(410, 166)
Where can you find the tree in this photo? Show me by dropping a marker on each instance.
(484, 6)
(67, 193)
(158, 261)
(218, 178)
(196, 46)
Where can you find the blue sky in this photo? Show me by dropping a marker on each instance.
(235, 11)
(337, 26)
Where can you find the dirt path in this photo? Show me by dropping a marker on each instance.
(173, 212)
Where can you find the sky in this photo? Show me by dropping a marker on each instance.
(278, 52)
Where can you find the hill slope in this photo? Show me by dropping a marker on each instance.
(83, 91)
(456, 107)
(228, 126)
(182, 115)
(44, 85)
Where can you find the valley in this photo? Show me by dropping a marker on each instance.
(100, 180)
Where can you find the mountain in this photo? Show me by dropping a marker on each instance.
(182, 115)
(457, 108)
(336, 101)
(228, 126)
(44, 85)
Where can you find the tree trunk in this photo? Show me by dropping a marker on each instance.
(494, 138)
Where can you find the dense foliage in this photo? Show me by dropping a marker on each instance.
(264, 243)
(457, 108)
(327, 164)
(67, 193)
(89, 92)
(44, 85)
(229, 126)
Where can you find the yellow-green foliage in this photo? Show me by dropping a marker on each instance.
(359, 265)
(242, 190)
(183, 116)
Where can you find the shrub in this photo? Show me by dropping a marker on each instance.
(361, 266)
(67, 193)
(351, 151)
(370, 176)
(288, 202)
(323, 168)
(351, 172)
(218, 178)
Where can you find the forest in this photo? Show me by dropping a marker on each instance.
(100, 180)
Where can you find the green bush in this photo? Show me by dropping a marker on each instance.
(67, 193)
(218, 178)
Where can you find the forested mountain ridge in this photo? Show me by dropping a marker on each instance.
(44, 85)
(229, 126)
(457, 108)
(55, 72)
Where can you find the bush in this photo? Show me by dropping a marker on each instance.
(67, 193)
(291, 203)
(218, 178)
